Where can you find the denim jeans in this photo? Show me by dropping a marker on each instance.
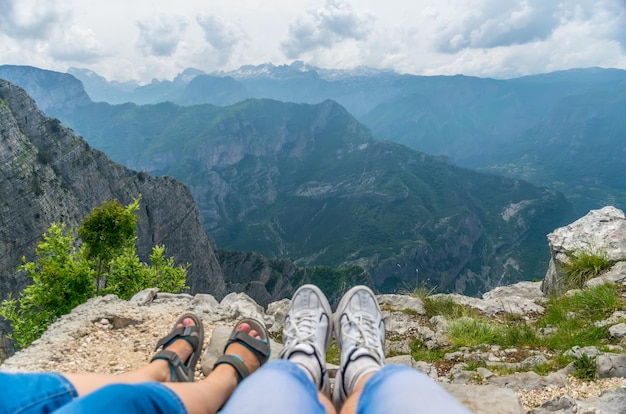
(38, 393)
(280, 387)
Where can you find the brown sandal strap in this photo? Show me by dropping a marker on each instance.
(235, 362)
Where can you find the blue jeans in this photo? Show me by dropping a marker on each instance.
(280, 387)
(38, 393)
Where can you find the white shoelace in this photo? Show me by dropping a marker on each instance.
(364, 332)
(302, 328)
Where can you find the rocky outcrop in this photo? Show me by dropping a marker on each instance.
(601, 232)
(47, 175)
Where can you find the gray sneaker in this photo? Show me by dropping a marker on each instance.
(307, 333)
(360, 335)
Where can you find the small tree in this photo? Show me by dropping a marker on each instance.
(63, 277)
(61, 281)
(106, 232)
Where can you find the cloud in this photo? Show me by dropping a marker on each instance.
(325, 27)
(76, 44)
(160, 37)
(620, 27)
(222, 35)
(28, 19)
(494, 23)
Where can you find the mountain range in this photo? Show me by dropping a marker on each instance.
(502, 126)
(312, 184)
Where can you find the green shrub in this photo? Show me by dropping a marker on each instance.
(446, 307)
(574, 317)
(585, 367)
(63, 277)
(61, 281)
(420, 352)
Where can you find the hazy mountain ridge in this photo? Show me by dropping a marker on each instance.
(310, 183)
(589, 128)
(474, 121)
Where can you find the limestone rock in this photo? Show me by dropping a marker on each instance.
(611, 365)
(495, 305)
(601, 230)
(618, 331)
(616, 274)
(485, 399)
(528, 380)
(525, 290)
(401, 302)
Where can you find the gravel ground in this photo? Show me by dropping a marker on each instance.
(577, 389)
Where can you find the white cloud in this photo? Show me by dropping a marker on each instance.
(222, 35)
(28, 19)
(76, 44)
(161, 36)
(494, 23)
(144, 39)
(325, 27)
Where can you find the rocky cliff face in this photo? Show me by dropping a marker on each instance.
(49, 175)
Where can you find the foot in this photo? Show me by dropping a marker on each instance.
(242, 352)
(180, 347)
(307, 332)
(360, 335)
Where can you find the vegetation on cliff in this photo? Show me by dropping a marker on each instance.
(64, 276)
(568, 321)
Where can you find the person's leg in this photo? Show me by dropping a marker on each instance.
(158, 370)
(34, 393)
(397, 388)
(43, 392)
(279, 387)
(363, 384)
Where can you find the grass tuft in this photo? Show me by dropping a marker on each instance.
(585, 368)
(584, 265)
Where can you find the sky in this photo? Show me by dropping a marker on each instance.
(157, 39)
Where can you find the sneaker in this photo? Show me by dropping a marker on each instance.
(360, 335)
(307, 332)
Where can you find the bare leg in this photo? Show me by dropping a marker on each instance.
(330, 407)
(349, 407)
(157, 370)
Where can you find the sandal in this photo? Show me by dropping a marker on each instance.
(259, 347)
(182, 372)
